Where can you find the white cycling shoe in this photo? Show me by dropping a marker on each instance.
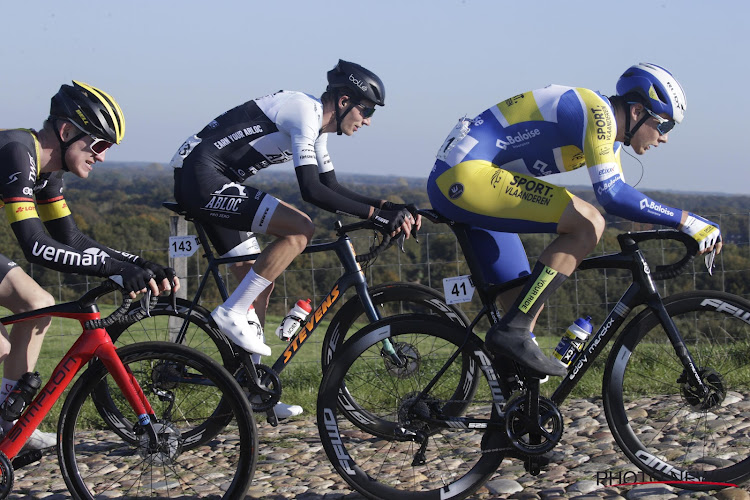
(40, 440)
(237, 328)
(283, 410)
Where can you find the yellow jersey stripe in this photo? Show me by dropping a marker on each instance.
(520, 108)
(52, 211)
(19, 211)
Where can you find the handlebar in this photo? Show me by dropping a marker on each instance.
(387, 241)
(667, 271)
(120, 315)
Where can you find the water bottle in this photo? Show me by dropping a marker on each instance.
(20, 396)
(293, 320)
(571, 344)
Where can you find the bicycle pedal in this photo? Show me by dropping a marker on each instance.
(271, 418)
(26, 458)
(533, 465)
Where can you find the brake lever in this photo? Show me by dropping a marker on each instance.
(709, 261)
(146, 303)
(173, 300)
(400, 239)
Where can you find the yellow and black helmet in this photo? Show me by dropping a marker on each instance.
(90, 109)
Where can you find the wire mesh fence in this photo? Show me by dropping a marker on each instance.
(438, 256)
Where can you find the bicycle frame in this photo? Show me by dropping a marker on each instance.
(641, 292)
(353, 276)
(92, 342)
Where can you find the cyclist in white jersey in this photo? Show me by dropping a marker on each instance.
(212, 166)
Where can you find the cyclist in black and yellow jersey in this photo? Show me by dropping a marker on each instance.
(84, 122)
(487, 175)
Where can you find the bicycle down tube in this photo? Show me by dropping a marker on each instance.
(353, 276)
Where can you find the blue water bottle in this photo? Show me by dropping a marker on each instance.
(571, 344)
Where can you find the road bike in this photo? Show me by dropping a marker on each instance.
(676, 389)
(191, 324)
(183, 440)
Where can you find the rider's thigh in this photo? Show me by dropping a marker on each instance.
(289, 221)
(581, 217)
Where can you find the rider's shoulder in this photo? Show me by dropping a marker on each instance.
(18, 145)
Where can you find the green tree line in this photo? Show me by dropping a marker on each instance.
(120, 206)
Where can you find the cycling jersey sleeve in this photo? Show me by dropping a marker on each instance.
(301, 118)
(329, 180)
(54, 212)
(315, 192)
(602, 156)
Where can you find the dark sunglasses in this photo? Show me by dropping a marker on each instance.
(366, 112)
(664, 125)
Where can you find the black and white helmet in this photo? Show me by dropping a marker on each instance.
(362, 82)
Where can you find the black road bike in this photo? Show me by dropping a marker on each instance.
(676, 389)
(187, 322)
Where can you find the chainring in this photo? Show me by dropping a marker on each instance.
(262, 398)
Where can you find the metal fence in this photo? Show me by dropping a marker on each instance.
(732, 270)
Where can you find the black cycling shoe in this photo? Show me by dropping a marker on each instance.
(516, 344)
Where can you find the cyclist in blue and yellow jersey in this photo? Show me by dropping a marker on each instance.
(215, 170)
(488, 171)
(83, 123)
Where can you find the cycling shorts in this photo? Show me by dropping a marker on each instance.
(5, 266)
(213, 199)
(478, 193)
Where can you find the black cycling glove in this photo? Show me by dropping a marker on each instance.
(411, 207)
(130, 277)
(387, 221)
(160, 272)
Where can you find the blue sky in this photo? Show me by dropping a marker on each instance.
(175, 65)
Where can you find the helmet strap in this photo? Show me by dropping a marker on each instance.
(629, 133)
(340, 116)
(64, 145)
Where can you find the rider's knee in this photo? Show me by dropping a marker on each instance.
(307, 230)
(38, 299)
(591, 220)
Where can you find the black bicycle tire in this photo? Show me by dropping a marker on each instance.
(621, 355)
(327, 408)
(345, 317)
(108, 410)
(199, 316)
(231, 394)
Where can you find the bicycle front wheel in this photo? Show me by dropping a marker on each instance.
(390, 299)
(402, 441)
(163, 324)
(664, 425)
(96, 462)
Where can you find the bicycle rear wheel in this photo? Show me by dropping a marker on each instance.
(375, 453)
(660, 422)
(97, 462)
(164, 325)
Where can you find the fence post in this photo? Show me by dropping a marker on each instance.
(178, 227)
